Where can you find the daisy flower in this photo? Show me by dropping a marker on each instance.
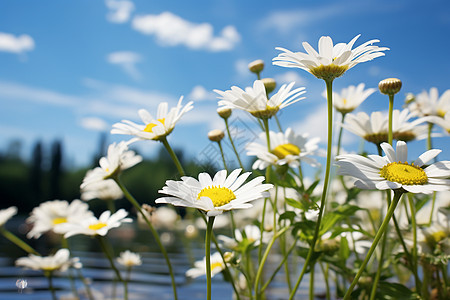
(215, 195)
(51, 213)
(118, 159)
(129, 259)
(103, 190)
(287, 148)
(331, 61)
(255, 101)
(443, 122)
(60, 261)
(93, 226)
(394, 172)
(6, 214)
(350, 98)
(153, 128)
(430, 104)
(250, 235)
(217, 266)
(375, 129)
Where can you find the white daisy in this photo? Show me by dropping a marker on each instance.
(217, 266)
(51, 213)
(214, 196)
(254, 100)
(60, 261)
(103, 190)
(287, 148)
(443, 122)
(375, 128)
(394, 172)
(430, 104)
(118, 159)
(250, 235)
(6, 214)
(153, 128)
(93, 226)
(350, 98)
(332, 60)
(129, 259)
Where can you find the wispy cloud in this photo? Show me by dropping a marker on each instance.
(94, 123)
(119, 10)
(172, 30)
(126, 60)
(290, 76)
(16, 44)
(199, 93)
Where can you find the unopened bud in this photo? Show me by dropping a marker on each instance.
(410, 97)
(216, 135)
(224, 113)
(390, 86)
(270, 84)
(256, 66)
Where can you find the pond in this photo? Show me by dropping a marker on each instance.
(151, 280)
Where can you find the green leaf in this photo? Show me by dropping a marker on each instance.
(344, 250)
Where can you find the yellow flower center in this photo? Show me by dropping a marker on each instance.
(404, 173)
(439, 236)
(441, 113)
(97, 226)
(344, 101)
(216, 265)
(328, 72)
(269, 112)
(57, 221)
(281, 151)
(149, 127)
(218, 195)
(377, 138)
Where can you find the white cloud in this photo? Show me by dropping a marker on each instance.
(119, 11)
(199, 93)
(241, 67)
(290, 76)
(172, 30)
(127, 60)
(93, 123)
(19, 44)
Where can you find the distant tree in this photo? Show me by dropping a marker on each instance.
(36, 174)
(56, 171)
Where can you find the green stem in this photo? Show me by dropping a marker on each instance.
(340, 134)
(433, 203)
(173, 156)
(65, 244)
(379, 268)
(223, 156)
(209, 228)
(391, 110)
(111, 205)
(108, 255)
(311, 284)
(429, 143)
(414, 256)
(263, 261)
(325, 277)
(329, 84)
(381, 231)
(278, 124)
(17, 241)
(154, 233)
(49, 275)
(233, 146)
(266, 128)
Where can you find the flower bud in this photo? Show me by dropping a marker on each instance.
(216, 135)
(256, 66)
(390, 86)
(270, 84)
(410, 98)
(224, 113)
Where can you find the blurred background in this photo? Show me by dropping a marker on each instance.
(71, 69)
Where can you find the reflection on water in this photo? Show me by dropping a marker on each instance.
(151, 280)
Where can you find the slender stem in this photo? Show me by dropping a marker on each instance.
(173, 156)
(278, 124)
(263, 261)
(49, 275)
(65, 244)
(233, 146)
(311, 284)
(223, 156)
(111, 205)
(325, 277)
(209, 228)
(433, 204)
(379, 268)
(329, 84)
(86, 285)
(381, 231)
(283, 261)
(108, 255)
(340, 135)
(153, 230)
(414, 249)
(266, 128)
(429, 143)
(391, 110)
(17, 241)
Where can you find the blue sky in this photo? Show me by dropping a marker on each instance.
(71, 69)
